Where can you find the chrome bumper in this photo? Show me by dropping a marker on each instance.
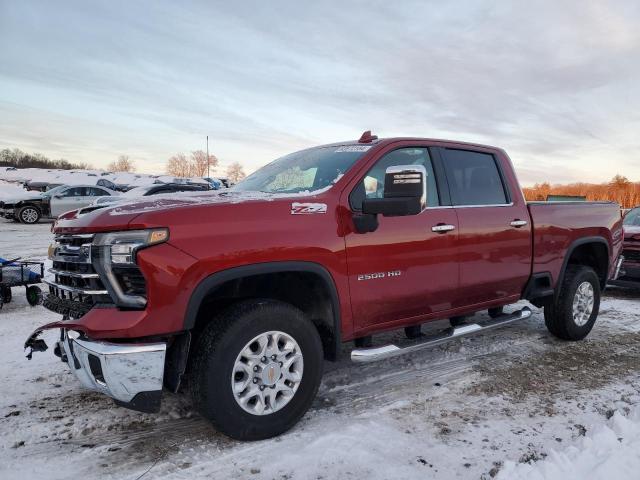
(131, 374)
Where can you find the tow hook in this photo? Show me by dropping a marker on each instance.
(35, 344)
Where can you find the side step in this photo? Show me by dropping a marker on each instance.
(363, 355)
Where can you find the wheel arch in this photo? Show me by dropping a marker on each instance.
(589, 251)
(226, 286)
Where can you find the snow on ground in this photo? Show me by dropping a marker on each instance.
(514, 402)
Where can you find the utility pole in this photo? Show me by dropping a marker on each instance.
(208, 172)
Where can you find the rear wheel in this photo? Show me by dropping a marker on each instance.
(496, 312)
(256, 369)
(29, 214)
(5, 294)
(572, 315)
(457, 321)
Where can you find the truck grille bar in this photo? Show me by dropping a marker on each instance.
(75, 287)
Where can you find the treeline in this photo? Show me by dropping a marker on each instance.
(620, 189)
(19, 159)
(198, 165)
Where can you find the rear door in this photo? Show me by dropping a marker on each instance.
(493, 225)
(404, 269)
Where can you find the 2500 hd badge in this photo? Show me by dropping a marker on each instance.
(373, 276)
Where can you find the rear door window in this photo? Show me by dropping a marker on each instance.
(474, 178)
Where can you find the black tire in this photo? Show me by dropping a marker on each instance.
(559, 317)
(34, 295)
(458, 320)
(495, 312)
(215, 354)
(5, 293)
(29, 214)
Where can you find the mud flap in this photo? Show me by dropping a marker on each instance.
(35, 344)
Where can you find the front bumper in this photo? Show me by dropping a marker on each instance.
(131, 374)
(6, 212)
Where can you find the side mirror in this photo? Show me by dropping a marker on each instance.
(405, 192)
(58, 195)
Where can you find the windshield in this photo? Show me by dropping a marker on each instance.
(305, 171)
(632, 218)
(54, 190)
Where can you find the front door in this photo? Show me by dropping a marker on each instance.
(405, 269)
(70, 199)
(494, 230)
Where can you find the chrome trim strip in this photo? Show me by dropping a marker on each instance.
(480, 206)
(75, 235)
(364, 355)
(72, 274)
(75, 289)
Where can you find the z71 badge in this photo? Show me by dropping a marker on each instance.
(308, 208)
(373, 276)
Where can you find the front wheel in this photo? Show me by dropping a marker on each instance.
(29, 214)
(256, 369)
(572, 315)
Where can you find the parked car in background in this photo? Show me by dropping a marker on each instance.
(121, 187)
(153, 189)
(629, 275)
(32, 206)
(215, 183)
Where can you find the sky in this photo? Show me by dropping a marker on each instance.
(557, 84)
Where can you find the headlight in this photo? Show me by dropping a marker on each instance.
(113, 255)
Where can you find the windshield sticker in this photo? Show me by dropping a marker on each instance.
(353, 148)
(306, 208)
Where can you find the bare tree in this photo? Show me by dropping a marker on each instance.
(235, 172)
(199, 163)
(122, 164)
(178, 166)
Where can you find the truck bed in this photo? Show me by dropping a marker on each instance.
(562, 226)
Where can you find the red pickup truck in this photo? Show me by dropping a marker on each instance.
(244, 293)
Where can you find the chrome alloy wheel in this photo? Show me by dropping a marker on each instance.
(29, 215)
(583, 303)
(267, 373)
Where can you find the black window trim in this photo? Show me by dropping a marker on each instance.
(436, 162)
(501, 174)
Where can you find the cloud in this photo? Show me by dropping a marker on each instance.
(555, 84)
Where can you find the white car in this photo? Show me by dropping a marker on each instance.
(32, 206)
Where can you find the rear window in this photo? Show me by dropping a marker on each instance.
(474, 178)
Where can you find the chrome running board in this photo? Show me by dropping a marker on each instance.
(363, 355)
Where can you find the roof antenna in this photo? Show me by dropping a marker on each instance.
(367, 137)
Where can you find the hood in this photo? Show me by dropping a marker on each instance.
(121, 215)
(157, 203)
(22, 197)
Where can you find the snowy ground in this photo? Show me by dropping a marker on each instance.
(516, 403)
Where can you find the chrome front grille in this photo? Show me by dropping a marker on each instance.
(631, 255)
(76, 287)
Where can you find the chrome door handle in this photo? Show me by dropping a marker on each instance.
(518, 223)
(443, 228)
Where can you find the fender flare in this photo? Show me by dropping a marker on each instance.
(215, 280)
(575, 244)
